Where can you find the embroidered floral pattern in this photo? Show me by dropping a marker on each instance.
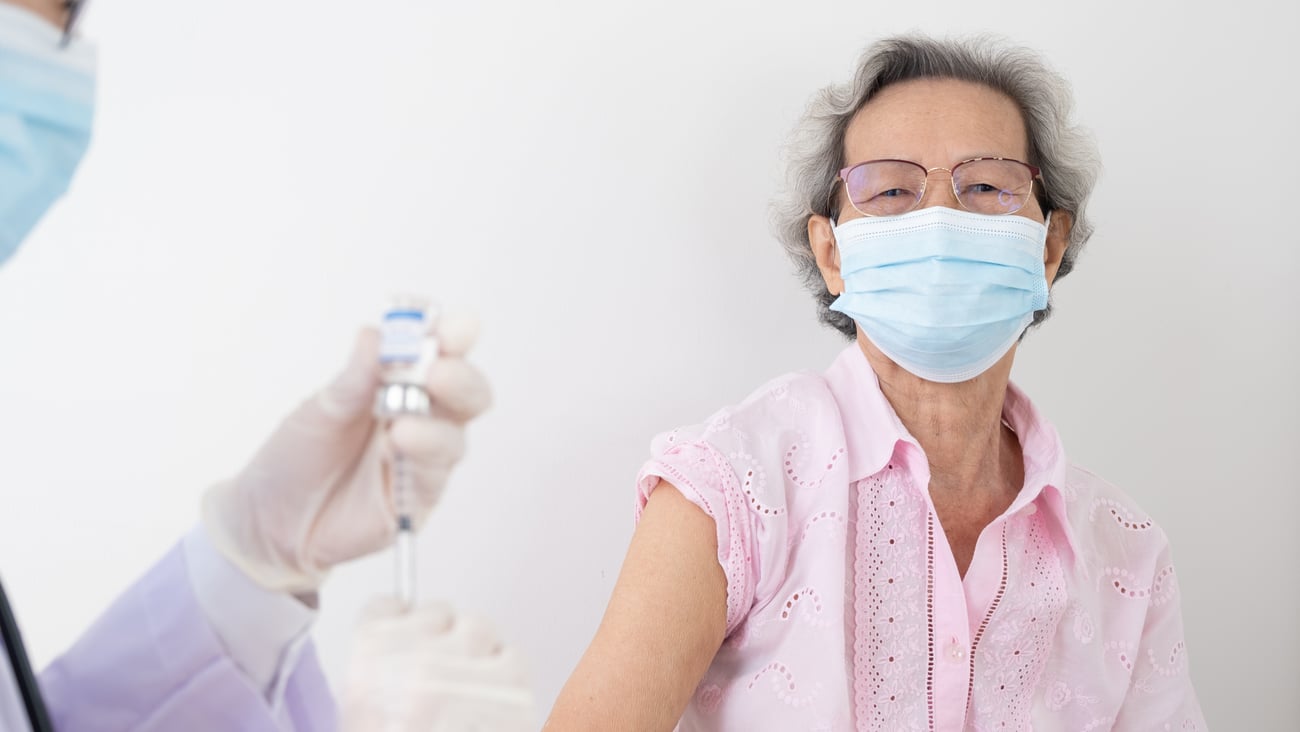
(1058, 695)
(1010, 662)
(1173, 664)
(753, 481)
(822, 520)
(810, 606)
(794, 466)
(890, 572)
(782, 683)
(1160, 590)
(1122, 515)
(708, 697)
(1082, 625)
(1122, 653)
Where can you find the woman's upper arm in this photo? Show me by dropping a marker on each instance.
(665, 621)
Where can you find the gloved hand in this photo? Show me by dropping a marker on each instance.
(434, 671)
(319, 492)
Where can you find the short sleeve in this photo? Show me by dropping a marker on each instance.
(1160, 694)
(706, 478)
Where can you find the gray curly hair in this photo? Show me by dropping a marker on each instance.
(1066, 154)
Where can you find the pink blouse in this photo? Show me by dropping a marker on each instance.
(845, 609)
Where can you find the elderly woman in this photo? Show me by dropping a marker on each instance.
(900, 542)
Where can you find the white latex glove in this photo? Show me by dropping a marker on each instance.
(434, 671)
(319, 491)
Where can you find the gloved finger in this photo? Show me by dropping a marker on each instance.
(387, 614)
(386, 634)
(456, 333)
(352, 392)
(384, 608)
(380, 607)
(459, 390)
(473, 636)
(427, 485)
(424, 441)
(434, 618)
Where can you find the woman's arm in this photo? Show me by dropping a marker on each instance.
(665, 621)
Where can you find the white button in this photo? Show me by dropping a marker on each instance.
(956, 650)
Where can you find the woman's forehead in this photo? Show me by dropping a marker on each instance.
(937, 122)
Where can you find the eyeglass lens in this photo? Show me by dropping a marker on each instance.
(892, 187)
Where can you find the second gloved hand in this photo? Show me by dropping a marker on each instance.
(433, 670)
(319, 491)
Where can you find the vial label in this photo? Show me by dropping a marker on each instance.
(402, 336)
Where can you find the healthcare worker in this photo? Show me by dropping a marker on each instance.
(215, 635)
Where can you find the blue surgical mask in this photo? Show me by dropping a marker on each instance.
(47, 98)
(944, 293)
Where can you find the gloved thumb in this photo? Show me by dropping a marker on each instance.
(457, 331)
(352, 392)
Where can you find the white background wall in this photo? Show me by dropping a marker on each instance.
(593, 179)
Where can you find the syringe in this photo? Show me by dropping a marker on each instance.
(407, 349)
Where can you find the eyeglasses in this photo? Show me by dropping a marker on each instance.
(982, 185)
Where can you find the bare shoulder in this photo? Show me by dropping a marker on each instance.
(665, 621)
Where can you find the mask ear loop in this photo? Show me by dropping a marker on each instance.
(835, 243)
(73, 8)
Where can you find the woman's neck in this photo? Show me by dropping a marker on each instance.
(974, 458)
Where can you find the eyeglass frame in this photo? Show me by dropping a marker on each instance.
(1036, 173)
(73, 9)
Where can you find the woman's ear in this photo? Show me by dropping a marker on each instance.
(827, 253)
(1058, 237)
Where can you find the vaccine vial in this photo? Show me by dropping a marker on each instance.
(407, 348)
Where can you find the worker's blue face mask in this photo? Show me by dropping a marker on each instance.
(942, 292)
(47, 97)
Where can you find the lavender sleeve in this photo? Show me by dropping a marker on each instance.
(152, 662)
